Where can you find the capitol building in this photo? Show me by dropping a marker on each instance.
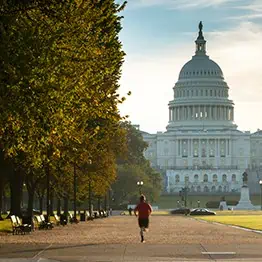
(202, 149)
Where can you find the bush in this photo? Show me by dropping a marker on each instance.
(215, 204)
(232, 202)
(212, 204)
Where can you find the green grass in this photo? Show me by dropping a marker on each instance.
(247, 219)
(5, 226)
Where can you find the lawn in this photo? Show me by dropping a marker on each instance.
(247, 219)
(5, 226)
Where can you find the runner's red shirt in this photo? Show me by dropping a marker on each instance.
(143, 209)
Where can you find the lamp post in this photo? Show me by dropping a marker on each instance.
(140, 184)
(198, 203)
(89, 192)
(75, 193)
(260, 183)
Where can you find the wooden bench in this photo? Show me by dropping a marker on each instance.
(58, 220)
(18, 227)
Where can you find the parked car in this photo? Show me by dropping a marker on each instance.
(181, 210)
(202, 212)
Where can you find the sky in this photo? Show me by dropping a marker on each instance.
(158, 39)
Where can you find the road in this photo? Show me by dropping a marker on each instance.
(171, 238)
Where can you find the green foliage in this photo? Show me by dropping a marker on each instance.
(60, 63)
(133, 167)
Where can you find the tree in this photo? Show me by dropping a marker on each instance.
(133, 167)
(60, 66)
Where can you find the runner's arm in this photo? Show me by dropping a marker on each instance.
(135, 210)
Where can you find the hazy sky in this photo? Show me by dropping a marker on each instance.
(158, 37)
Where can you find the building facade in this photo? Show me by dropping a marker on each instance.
(202, 148)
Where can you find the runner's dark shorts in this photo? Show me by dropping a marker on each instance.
(143, 222)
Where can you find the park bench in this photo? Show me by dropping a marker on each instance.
(18, 227)
(89, 216)
(60, 221)
(49, 225)
(102, 213)
(96, 214)
(72, 219)
(42, 224)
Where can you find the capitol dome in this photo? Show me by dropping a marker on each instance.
(201, 66)
(201, 94)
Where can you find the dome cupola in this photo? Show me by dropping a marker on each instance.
(201, 94)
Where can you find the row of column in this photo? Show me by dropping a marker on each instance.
(201, 112)
(221, 147)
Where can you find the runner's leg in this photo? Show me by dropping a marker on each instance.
(142, 233)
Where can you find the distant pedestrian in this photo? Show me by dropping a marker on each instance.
(110, 211)
(144, 211)
(130, 211)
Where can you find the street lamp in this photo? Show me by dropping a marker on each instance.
(140, 184)
(89, 193)
(260, 183)
(198, 203)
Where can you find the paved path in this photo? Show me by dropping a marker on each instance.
(171, 238)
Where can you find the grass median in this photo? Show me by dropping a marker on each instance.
(246, 219)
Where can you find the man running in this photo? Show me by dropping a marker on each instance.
(144, 210)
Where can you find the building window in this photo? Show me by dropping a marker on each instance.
(177, 179)
(233, 178)
(220, 189)
(195, 152)
(203, 152)
(211, 152)
(196, 178)
(206, 189)
(225, 189)
(205, 178)
(213, 189)
(198, 189)
(215, 178)
(224, 178)
(186, 179)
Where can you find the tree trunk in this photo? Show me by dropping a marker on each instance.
(16, 186)
(1, 197)
(58, 206)
(41, 204)
(66, 202)
(4, 207)
(98, 204)
(51, 203)
(30, 203)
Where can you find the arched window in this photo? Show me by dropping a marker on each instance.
(224, 178)
(186, 179)
(177, 179)
(198, 189)
(215, 178)
(213, 189)
(220, 189)
(206, 189)
(205, 178)
(195, 178)
(233, 178)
